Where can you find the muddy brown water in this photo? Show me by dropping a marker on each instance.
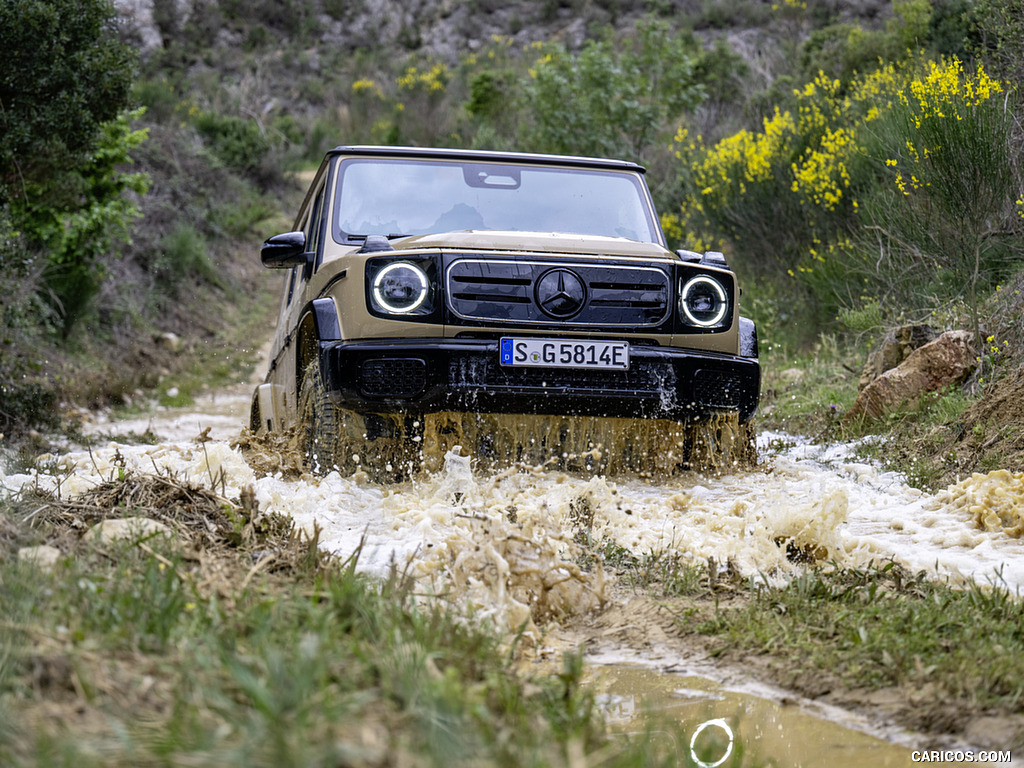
(503, 541)
(713, 718)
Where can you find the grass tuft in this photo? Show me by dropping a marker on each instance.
(885, 627)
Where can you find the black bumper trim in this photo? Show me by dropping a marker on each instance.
(465, 375)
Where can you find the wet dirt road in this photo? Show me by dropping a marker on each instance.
(501, 543)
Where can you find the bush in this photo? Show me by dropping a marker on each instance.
(24, 398)
(943, 220)
(897, 185)
(612, 100)
(65, 74)
(240, 144)
(81, 232)
(183, 254)
(1001, 37)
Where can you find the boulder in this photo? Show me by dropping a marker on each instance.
(131, 528)
(43, 557)
(896, 347)
(947, 360)
(169, 341)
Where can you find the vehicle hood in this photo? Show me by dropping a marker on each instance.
(534, 242)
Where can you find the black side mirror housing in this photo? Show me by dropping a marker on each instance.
(285, 251)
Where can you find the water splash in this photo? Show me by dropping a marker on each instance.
(994, 501)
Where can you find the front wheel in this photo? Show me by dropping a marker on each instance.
(321, 425)
(384, 446)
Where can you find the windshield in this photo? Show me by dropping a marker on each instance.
(394, 197)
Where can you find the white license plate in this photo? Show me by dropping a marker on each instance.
(565, 353)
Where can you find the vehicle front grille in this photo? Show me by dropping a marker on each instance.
(392, 377)
(506, 291)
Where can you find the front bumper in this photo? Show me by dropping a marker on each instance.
(427, 375)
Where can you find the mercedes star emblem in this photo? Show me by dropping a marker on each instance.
(561, 293)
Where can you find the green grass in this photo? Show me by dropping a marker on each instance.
(881, 627)
(919, 443)
(806, 393)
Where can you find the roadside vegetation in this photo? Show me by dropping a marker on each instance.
(931, 655)
(861, 172)
(886, 628)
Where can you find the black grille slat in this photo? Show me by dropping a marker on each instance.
(488, 280)
(467, 296)
(639, 303)
(638, 287)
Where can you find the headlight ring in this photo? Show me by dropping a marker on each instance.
(704, 301)
(400, 287)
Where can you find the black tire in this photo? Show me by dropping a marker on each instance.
(254, 415)
(320, 425)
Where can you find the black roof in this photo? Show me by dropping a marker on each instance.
(480, 155)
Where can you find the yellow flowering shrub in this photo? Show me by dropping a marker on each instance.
(368, 87)
(823, 185)
(944, 115)
(432, 79)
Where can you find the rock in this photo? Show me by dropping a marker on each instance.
(44, 557)
(169, 341)
(790, 377)
(947, 360)
(131, 528)
(896, 347)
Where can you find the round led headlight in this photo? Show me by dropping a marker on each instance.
(400, 287)
(704, 301)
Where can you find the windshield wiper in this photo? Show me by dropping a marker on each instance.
(362, 238)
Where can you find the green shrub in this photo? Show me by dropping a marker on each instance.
(488, 94)
(238, 217)
(724, 14)
(159, 96)
(184, 254)
(612, 100)
(941, 226)
(1001, 33)
(83, 229)
(65, 74)
(240, 144)
(25, 399)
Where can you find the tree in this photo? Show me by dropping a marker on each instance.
(65, 86)
(613, 101)
(65, 73)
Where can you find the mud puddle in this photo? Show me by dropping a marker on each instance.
(727, 718)
(720, 719)
(504, 544)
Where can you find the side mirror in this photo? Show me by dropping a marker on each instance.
(285, 251)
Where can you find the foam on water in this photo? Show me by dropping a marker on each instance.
(504, 543)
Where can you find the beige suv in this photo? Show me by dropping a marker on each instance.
(435, 297)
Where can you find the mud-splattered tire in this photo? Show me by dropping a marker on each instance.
(254, 415)
(320, 425)
(379, 445)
